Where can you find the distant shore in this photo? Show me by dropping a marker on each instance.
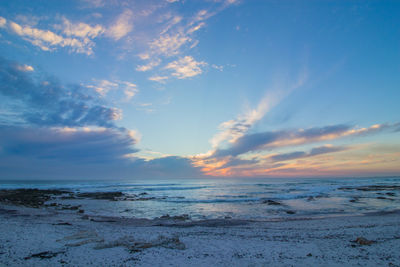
(36, 232)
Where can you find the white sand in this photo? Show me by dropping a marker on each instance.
(30, 231)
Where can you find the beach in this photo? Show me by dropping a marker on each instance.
(39, 228)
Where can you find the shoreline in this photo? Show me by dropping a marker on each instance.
(46, 236)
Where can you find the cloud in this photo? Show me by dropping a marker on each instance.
(149, 66)
(301, 154)
(67, 144)
(176, 36)
(25, 68)
(3, 22)
(82, 153)
(169, 44)
(233, 129)
(103, 87)
(78, 36)
(44, 101)
(81, 30)
(159, 79)
(95, 3)
(269, 140)
(122, 26)
(185, 67)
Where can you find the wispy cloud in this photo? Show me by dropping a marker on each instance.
(103, 87)
(149, 66)
(159, 79)
(177, 36)
(256, 154)
(185, 67)
(122, 25)
(78, 37)
(325, 149)
(269, 140)
(232, 130)
(81, 30)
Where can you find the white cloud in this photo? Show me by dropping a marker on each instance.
(185, 67)
(159, 79)
(103, 87)
(3, 22)
(149, 66)
(81, 30)
(130, 90)
(169, 45)
(48, 40)
(25, 68)
(122, 26)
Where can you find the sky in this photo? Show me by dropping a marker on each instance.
(138, 89)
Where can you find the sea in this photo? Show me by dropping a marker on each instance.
(250, 198)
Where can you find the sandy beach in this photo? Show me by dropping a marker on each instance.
(50, 235)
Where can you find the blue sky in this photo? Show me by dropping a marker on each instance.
(171, 88)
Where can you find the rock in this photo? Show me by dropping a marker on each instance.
(33, 198)
(363, 241)
(290, 212)
(372, 188)
(311, 198)
(44, 255)
(271, 202)
(101, 195)
(309, 255)
(182, 217)
(81, 211)
(62, 223)
(391, 194)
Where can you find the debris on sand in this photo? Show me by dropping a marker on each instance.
(136, 245)
(363, 241)
(85, 237)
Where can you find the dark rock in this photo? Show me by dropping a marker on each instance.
(290, 212)
(310, 198)
(81, 211)
(101, 195)
(34, 198)
(182, 217)
(372, 188)
(271, 202)
(391, 194)
(62, 223)
(44, 255)
(309, 255)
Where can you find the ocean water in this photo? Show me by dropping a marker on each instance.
(234, 198)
